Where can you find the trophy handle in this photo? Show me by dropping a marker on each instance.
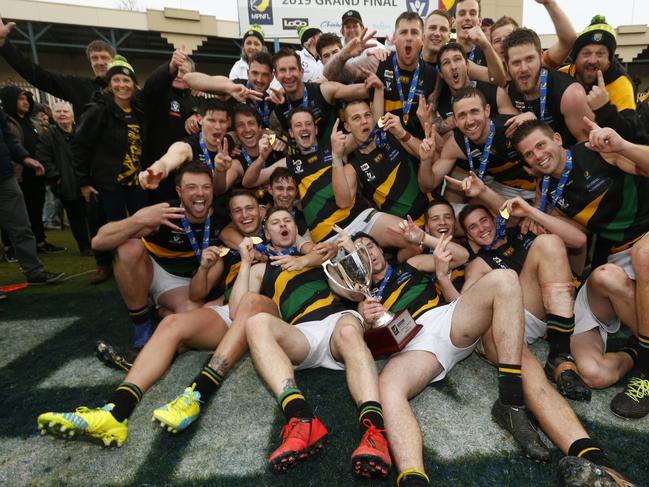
(349, 291)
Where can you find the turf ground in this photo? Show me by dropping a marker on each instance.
(47, 363)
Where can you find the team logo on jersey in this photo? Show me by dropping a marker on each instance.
(404, 276)
(419, 6)
(176, 237)
(509, 252)
(297, 167)
(369, 175)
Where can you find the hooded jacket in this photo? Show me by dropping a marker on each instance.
(10, 148)
(22, 127)
(101, 140)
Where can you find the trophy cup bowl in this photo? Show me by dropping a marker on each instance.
(352, 274)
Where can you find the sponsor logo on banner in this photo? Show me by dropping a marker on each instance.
(260, 12)
(294, 24)
(419, 6)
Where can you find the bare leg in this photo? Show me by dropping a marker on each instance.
(177, 300)
(348, 346)
(402, 378)
(234, 344)
(640, 261)
(274, 347)
(133, 273)
(598, 368)
(201, 328)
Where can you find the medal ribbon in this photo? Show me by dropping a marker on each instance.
(378, 292)
(411, 90)
(266, 250)
(263, 108)
(484, 159)
(206, 153)
(544, 92)
(377, 133)
(545, 185)
(192, 238)
(501, 231)
(305, 98)
(248, 159)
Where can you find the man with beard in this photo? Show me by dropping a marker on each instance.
(454, 71)
(600, 187)
(553, 97)
(479, 144)
(207, 328)
(610, 91)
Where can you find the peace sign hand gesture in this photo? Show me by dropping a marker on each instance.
(222, 161)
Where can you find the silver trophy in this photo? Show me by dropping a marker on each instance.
(353, 275)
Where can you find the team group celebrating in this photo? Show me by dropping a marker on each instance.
(496, 187)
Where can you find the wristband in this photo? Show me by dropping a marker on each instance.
(406, 137)
(421, 242)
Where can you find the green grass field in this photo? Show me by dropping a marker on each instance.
(47, 335)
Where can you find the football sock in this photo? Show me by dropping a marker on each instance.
(294, 405)
(559, 332)
(144, 325)
(631, 348)
(372, 412)
(207, 382)
(125, 397)
(412, 477)
(590, 450)
(510, 385)
(643, 352)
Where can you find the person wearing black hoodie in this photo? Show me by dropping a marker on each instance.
(18, 105)
(107, 151)
(13, 214)
(77, 90)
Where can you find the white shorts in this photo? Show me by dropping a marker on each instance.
(318, 334)
(163, 281)
(535, 328)
(509, 192)
(585, 320)
(623, 260)
(435, 337)
(362, 223)
(224, 312)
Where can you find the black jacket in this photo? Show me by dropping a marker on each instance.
(55, 153)
(101, 140)
(77, 90)
(10, 149)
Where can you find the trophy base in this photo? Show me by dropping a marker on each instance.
(392, 338)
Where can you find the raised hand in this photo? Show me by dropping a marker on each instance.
(193, 124)
(265, 147)
(379, 53)
(344, 241)
(149, 179)
(472, 185)
(357, 45)
(161, 214)
(210, 256)
(442, 256)
(5, 30)
(598, 95)
(276, 96)
(246, 250)
(517, 207)
(409, 231)
(476, 36)
(392, 124)
(424, 110)
(371, 79)
(325, 250)
(222, 161)
(513, 123)
(178, 58)
(428, 145)
(241, 93)
(603, 139)
(338, 140)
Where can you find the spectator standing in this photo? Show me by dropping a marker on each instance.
(311, 64)
(54, 151)
(253, 42)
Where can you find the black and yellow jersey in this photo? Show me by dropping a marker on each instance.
(607, 201)
(512, 254)
(324, 114)
(388, 178)
(557, 84)
(313, 174)
(505, 164)
(300, 296)
(392, 104)
(408, 288)
(171, 248)
(132, 162)
(620, 112)
(445, 100)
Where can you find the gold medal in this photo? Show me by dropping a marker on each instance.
(224, 251)
(380, 123)
(271, 139)
(256, 240)
(504, 213)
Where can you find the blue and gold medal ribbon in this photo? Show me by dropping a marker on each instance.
(378, 292)
(411, 89)
(192, 238)
(545, 185)
(206, 153)
(484, 159)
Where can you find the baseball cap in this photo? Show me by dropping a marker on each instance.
(352, 14)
